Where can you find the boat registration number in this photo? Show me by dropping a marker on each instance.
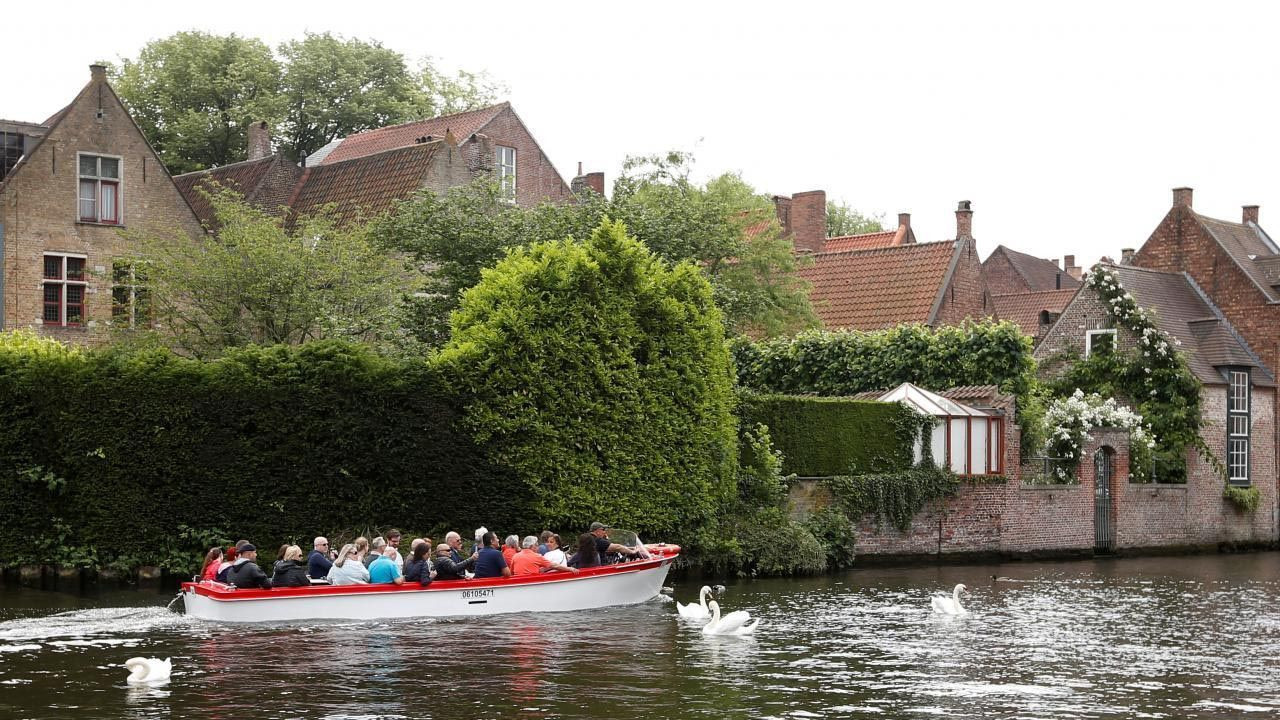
(467, 594)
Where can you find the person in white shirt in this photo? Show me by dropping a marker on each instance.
(554, 553)
(347, 569)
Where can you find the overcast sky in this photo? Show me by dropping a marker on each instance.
(1066, 126)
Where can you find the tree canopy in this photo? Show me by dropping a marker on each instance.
(194, 93)
(844, 220)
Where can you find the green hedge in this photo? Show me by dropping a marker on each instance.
(819, 436)
(126, 459)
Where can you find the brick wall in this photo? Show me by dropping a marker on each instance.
(966, 295)
(38, 210)
(537, 180)
(1001, 277)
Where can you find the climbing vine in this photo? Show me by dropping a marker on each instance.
(896, 496)
(1070, 419)
(1246, 499)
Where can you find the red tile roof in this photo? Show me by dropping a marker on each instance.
(866, 241)
(462, 125)
(1023, 309)
(365, 186)
(879, 288)
(243, 177)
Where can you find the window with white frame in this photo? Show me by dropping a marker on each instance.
(63, 289)
(99, 189)
(1099, 341)
(506, 166)
(1238, 421)
(130, 296)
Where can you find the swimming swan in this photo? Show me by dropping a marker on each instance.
(738, 622)
(148, 670)
(696, 612)
(944, 605)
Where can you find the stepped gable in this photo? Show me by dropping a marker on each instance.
(881, 287)
(462, 125)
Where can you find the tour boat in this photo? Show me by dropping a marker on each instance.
(626, 583)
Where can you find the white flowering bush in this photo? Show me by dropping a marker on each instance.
(1069, 421)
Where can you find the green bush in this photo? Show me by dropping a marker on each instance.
(1246, 499)
(837, 535)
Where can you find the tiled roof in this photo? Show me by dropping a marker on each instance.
(365, 186)
(266, 183)
(462, 125)
(971, 393)
(1038, 273)
(879, 288)
(866, 241)
(1187, 314)
(1245, 243)
(1023, 309)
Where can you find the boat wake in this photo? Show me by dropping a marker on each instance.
(93, 626)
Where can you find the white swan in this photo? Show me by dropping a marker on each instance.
(944, 605)
(148, 670)
(738, 622)
(696, 612)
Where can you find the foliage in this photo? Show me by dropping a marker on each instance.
(773, 544)
(194, 94)
(1154, 377)
(1069, 420)
(121, 458)
(599, 375)
(264, 280)
(896, 496)
(822, 436)
(844, 220)
(836, 535)
(1246, 499)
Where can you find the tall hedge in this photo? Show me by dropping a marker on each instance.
(125, 459)
(819, 436)
(600, 374)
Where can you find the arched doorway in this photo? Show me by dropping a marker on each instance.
(1104, 532)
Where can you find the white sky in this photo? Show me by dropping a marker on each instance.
(1066, 126)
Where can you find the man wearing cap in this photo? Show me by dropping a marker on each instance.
(246, 573)
(604, 547)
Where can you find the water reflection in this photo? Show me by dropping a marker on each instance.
(1172, 637)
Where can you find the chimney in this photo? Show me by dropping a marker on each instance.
(1182, 196)
(591, 181)
(1069, 266)
(259, 140)
(904, 220)
(1250, 214)
(1126, 256)
(98, 72)
(808, 215)
(964, 220)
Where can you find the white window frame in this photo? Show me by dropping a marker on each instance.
(1239, 421)
(63, 282)
(506, 170)
(97, 179)
(1091, 334)
(124, 276)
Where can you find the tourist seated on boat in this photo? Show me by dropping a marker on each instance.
(375, 550)
(212, 559)
(454, 541)
(510, 547)
(555, 552)
(447, 568)
(587, 555)
(348, 569)
(393, 542)
(542, 542)
(529, 562)
(275, 567)
(291, 572)
(384, 570)
(318, 561)
(228, 559)
(413, 547)
(489, 561)
(245, 573)
(419, 569)
(362, 547)
(607, 549)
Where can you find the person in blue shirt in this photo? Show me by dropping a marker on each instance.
(384, 570)
(489, 562)
(318, 562)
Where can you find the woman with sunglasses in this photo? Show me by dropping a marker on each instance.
(347, 568)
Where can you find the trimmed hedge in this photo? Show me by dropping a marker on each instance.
(127, 459)
(821, 436)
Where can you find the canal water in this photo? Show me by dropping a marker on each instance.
(1144, 637)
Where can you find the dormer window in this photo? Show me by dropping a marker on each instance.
(99, 189)
(505, 163)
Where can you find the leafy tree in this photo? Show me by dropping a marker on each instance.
(599, 374)
(844, 220)
(264, 280)
(193, 94)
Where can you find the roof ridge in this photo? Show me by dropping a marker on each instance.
(398, 148)
(887, 248)
(858, 235)
(1152, 271)
(433, 117)
(1034, 292)
(272, 156)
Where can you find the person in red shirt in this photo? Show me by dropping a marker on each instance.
(510, 547)
(529, 562)
(212, 560)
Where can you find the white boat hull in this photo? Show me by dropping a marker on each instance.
(625, 584)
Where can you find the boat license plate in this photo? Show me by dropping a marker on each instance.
(469, 594)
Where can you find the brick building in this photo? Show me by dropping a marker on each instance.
(1029, 291)
(82, 177)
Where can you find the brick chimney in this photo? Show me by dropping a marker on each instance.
(904, 220)
(590, 181)
(964, 220)
(259, 140)
(782, 208)
(1069, 266)
(1126, 256)
(97, 73)
(1250, 214)
(1182, 196)
(808, 215)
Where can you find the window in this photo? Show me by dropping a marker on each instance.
(506, 164)
(1099, 341)
(99, 189)
(130, 297)
(63, 289)
(1238, 421)
(968, 445)
(10, 151)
